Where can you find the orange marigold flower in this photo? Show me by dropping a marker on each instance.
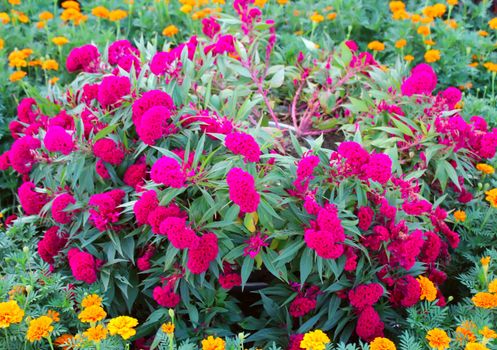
(60, 40)
(45, 16)
(381, 343)
(282, 2)
(397, 6)
(485, 168)
(493, 23)
(10, 313)
(482, 33)
(430, 42)
(460, 215)
(168, 328)
(54, 315)
(96, 333)
(117, 15)
(17, 75)
(331, 16)
(15, 2)
(488, 333)
(53, 81)
(376, 45)
(100, 12)
(39, 328)
(69, 4)
(170, 30)
(211, 343)
(475, 346)
(492, 286)
(485, 261)
(491, 197)
(400, 43)
(491, 67)
(451, 23)
(415, 18)
(485, 300)
(91, 300)
(62, 340)
(428, 289)
(50, 65)
(452, 2)
(409, 58)
(464, 334)
(316, 18)
(260, 3)
(93, 313)
(438, 339)
(432, 56)
(424, 30)
(4, 17)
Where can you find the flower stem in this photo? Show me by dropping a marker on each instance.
(50, 342)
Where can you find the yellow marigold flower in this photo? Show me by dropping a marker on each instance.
(428, 289)
(316, 17)
(493, 23)
(15, 2)
(491, 67)
(432, 56)
(45, 16)
(62, 340)
(170, 30)
(4, 17)
(123, 326)
(485, 168)
(475, 346)
(380, 343)
(438, 339)
(23, 18)
(485, 261)
(54, 315)
(260, 3)
(492, 286)
(17, 75)
(415, 18)
(492, 197)
(452, 2)
(93, 313)
(400, 15)
(485, 300)
(2, 44)
(167, 328)
(434, 11)
(315, 340)
(91, 300)
(488, 333)
(53, 81)
(408, 58)
(10, 313)
(397, 6)
(451, 23)
(483, 33)
(96, 333)
(460, 215)
(400, 43)
(60, 40)
(331, 16)
(430, 42)
(186, 8)
(70, 5)
(41, 25)
(424, 30)
(426, 20)
(39, 328)
(211, 343)
(50, 65)
(376, 46)
(35, 63)
(117, 15)
(282, 2)
(100, 12)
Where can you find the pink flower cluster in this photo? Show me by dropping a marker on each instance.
(243, 144)
(83, 265)
(85, 58)
(31, 200)
(326, 234)
(422, 81)
(59, 205)
(242, 190)
(51, 244)
(105, 209)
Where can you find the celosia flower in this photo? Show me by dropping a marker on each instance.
(428, 289)
(165, 296)
(422, 80)
(153, 124)
(211, 343)
(31, 201)
(112, 89)
(438, 339)
(119, 49)
(85, 58)
(365, 295)
(210, 27)
(109, 151)
(83, 265)
(243, 144)
(92, 314)
(230, 280)
(96, 333)
(21, 154)
(39, 328)
(179, 234)
(149, 99)
(135, 174)
(161, 213)
(315, 340)
(144, 206)
(365, 216)
(301, 306)
(406, 292)
(380, 343)
(242, 190)
(59, 205)
(255, 244)
(168, 171)
(51, 244)
(200, 257)
(123, 326)
(10, 313)
(104, 209)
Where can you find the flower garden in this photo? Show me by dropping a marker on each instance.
(248, 174)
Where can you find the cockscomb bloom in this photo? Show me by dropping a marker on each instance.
(365, 295)
(422, 80)
(104, 208)
(209, 122)
(305, 170)
(168, 172)
(379, 168)
(165, 296)
(21, 154)
(57, 139)
(406, 292)
(200, 257)
(228, 280)
(119, 49)
(161, 213)
(301, 306)
(242, 190)
(124, 326)
(179, 233)
(431, 248)
(85, 58)
(451, 96)
(10, 313)
(405, 250)
(109, 151)
(144, 206)
(112, 89)
(136, 174)
(31, 201)
(27, 111)
(369, 324)
(243, 144)
(210, 27)
(51, 244)
(154, 123)
(83, 265)
(254, 245)
(417, 207)
(149, 99)
(355, 157)
(365, 216)
(101, 169)
(328, 237)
